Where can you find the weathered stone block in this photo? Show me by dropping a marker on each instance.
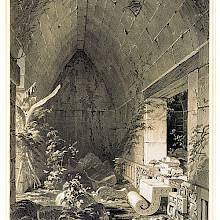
(154, 151)
(168, 59)
(149, 8)
(192, 123)
(155, 131)
(199, 32)
(150, 75)
(99, 13)
(61, 9)
(52, 13)
(155, 109)
(182, 47)
(160, 18)
(177, 26)
(165, 39)
(82, 7)
(193, 80)
(189, 12)
(204, 55)
(203, 116)
(203, 91)
(127, 19)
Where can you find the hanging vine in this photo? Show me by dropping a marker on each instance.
(130, 137)
(197, 154)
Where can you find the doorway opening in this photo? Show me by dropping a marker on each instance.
(177, 127)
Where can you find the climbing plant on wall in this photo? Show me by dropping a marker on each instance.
(197, 150)
(123, 146)
(135, 124)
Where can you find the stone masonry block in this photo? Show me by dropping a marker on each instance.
(149, 8)
(155, 131)
(127, 19)
(168, 59)
(192, 123)
(61, 9)
(203, 116)
(182, 47)
(108, 14)
(204, 55)
(82, 7)
(165, 39)
(52, 13)
(189, 12)
(199, 32)
(177, 26)
(137, 28)
(154, 151)
(203, 91)
(193, 91)
(160, 19)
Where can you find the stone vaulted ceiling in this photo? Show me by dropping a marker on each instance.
(131, 43)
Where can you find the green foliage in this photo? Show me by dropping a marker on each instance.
(197, 154)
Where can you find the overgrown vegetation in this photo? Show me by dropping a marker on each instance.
(59, 156)
(197, 150)
(122, 147)
(31, 144)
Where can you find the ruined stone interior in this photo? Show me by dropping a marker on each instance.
(109, 55)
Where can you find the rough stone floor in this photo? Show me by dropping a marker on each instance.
(117, 209)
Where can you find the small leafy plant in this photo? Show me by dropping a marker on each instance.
(31, 140)
(59, 154)
(178, 140)
(77, 201)
(74, 191)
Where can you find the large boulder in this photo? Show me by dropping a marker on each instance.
(98, 172)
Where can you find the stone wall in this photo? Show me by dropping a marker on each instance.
(131, 51)
(198, 109)
(83, 110)
(123, 116)
(191, 75)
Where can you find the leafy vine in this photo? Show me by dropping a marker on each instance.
(197, 154)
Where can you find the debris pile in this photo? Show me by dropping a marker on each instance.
(166, 170)
(98, 172)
